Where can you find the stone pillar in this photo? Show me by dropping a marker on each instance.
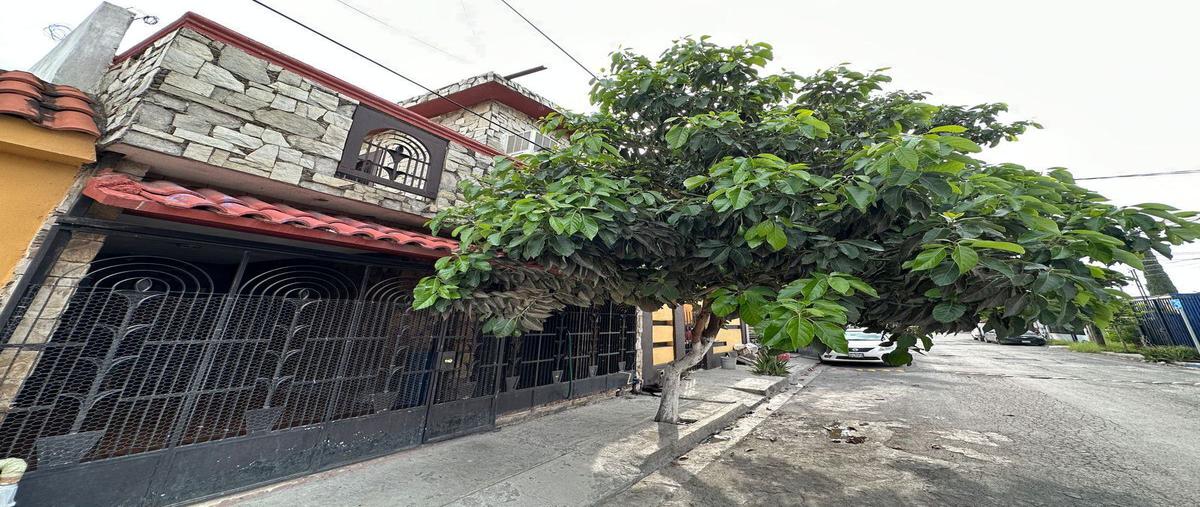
(37, 316)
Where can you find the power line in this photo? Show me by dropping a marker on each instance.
(414, 38)
(394, 72)
(560, 48)
(1140, 175)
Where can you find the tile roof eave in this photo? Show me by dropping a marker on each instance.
(136, 197)
(47, 105)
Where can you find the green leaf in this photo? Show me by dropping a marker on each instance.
(1041, 223)
(995, 245)
(562, 245)
(944, 274)
(777, 238)
(862, 287)
(965, 257)
(948, 312)
(425, 294)
(926, 342)
(695, 181)
(929, 259)
(839, 284)
(740, 198)
(833, 336)
(590, 227)
(724, 305)
(907, 157)
(960, 144)
(677, 136)
(861, 196)
(799, 330)
(1127, 258)
(952, 129)
(558, 224)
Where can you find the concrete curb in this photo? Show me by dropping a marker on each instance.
(705, 452)
(1123, 355)
(700, 430)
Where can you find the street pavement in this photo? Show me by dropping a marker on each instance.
(577, 456)
(968, 424)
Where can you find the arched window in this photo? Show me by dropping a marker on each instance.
(387, 153)
(396, 157)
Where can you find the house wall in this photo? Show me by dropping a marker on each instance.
(492, 133)
(190, 96)
(38, 168)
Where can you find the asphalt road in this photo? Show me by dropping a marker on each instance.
(971, 424)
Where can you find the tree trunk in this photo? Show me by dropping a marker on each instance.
(668, 409)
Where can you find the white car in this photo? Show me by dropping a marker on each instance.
(864, 348)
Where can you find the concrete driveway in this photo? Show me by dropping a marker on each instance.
(969, 424)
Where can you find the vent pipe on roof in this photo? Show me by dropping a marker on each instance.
(525, 72)
(83, 56)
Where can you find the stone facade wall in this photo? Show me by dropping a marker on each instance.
(190, 96)
(491, 133)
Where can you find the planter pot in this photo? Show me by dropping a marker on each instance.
(728, 362)
(592, 370)
(261, 420)
(556, 376)
(65, 449)
(512, 382)
(621, 365)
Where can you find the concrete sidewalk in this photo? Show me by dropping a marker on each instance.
(579, 456)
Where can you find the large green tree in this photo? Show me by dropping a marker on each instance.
(799, 204)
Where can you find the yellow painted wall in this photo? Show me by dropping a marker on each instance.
(37, 168)
(731, 334)
(663, 334)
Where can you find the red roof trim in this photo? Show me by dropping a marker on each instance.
(47, 105)
(216, 31)
(477, 94)
(204, 206)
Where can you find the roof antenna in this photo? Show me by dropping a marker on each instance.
(57, 32)
(525, 72)
(140, 15)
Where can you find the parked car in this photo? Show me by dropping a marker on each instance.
(983, 336)
(864, 348)
(1023, 339)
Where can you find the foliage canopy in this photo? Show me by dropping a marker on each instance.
(796, 203)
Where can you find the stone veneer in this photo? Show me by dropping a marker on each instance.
(497, 112)
(486, 132)
(190, 96)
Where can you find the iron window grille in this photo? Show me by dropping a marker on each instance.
(386, 153)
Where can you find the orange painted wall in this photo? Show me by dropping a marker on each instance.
(37, 169)
(29, 191)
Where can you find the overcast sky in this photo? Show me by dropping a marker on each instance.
(1114, 82)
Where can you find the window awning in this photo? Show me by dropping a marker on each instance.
(168, 200)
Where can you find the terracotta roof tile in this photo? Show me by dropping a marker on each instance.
(45, 104)
(170, 200)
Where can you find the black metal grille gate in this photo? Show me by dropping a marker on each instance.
(144, 379)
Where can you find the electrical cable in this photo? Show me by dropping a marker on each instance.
(393, 71)
(1140, 175)
(560, 48)
(414, 38)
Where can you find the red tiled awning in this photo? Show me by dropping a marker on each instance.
(46, 105)
(205, 206)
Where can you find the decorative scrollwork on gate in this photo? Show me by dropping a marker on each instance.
(94, 325)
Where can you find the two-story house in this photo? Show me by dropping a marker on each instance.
(223, 298)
